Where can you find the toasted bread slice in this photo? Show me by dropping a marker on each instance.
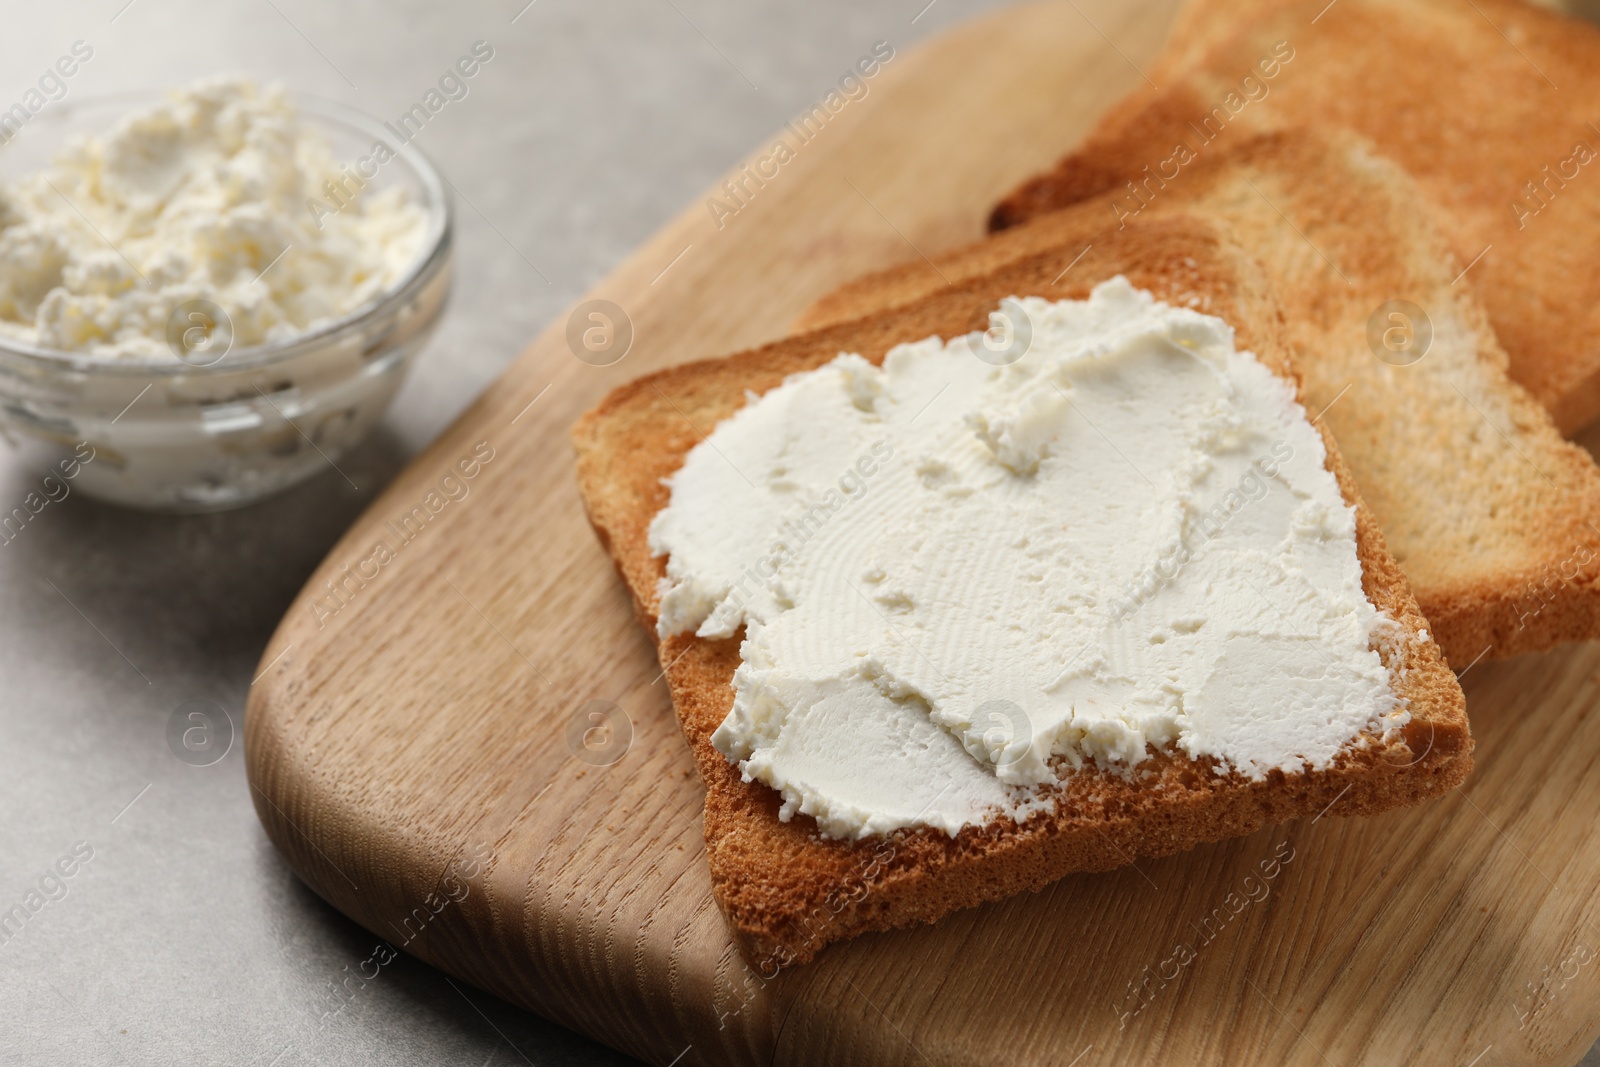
(1493, 515)
(1462, 93)
(786, 890)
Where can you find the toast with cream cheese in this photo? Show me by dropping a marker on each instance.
(788, 889)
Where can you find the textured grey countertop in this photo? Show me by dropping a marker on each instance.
(186, 939)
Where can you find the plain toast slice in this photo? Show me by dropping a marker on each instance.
(1493, 515)
(786, 890)
(1485, 102)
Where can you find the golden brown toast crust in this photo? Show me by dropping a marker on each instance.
(1495, 518)
(1462, 93)
(786, 890)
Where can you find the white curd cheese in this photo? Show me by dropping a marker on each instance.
(203, 196)
(960, 581)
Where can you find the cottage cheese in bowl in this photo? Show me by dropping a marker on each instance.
(213, 193)
(218, 289)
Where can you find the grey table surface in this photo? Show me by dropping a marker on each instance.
(186, 939)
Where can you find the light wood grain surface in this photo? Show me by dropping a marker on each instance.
(409, 743)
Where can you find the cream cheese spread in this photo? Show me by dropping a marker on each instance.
(1096, 529)
(203, 196)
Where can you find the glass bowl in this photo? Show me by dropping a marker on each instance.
(191, 434)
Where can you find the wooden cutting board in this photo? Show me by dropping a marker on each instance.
(411, 742)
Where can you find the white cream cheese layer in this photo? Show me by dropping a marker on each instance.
(205, 195)
(962, 575)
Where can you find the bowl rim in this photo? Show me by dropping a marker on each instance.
(438, 204)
